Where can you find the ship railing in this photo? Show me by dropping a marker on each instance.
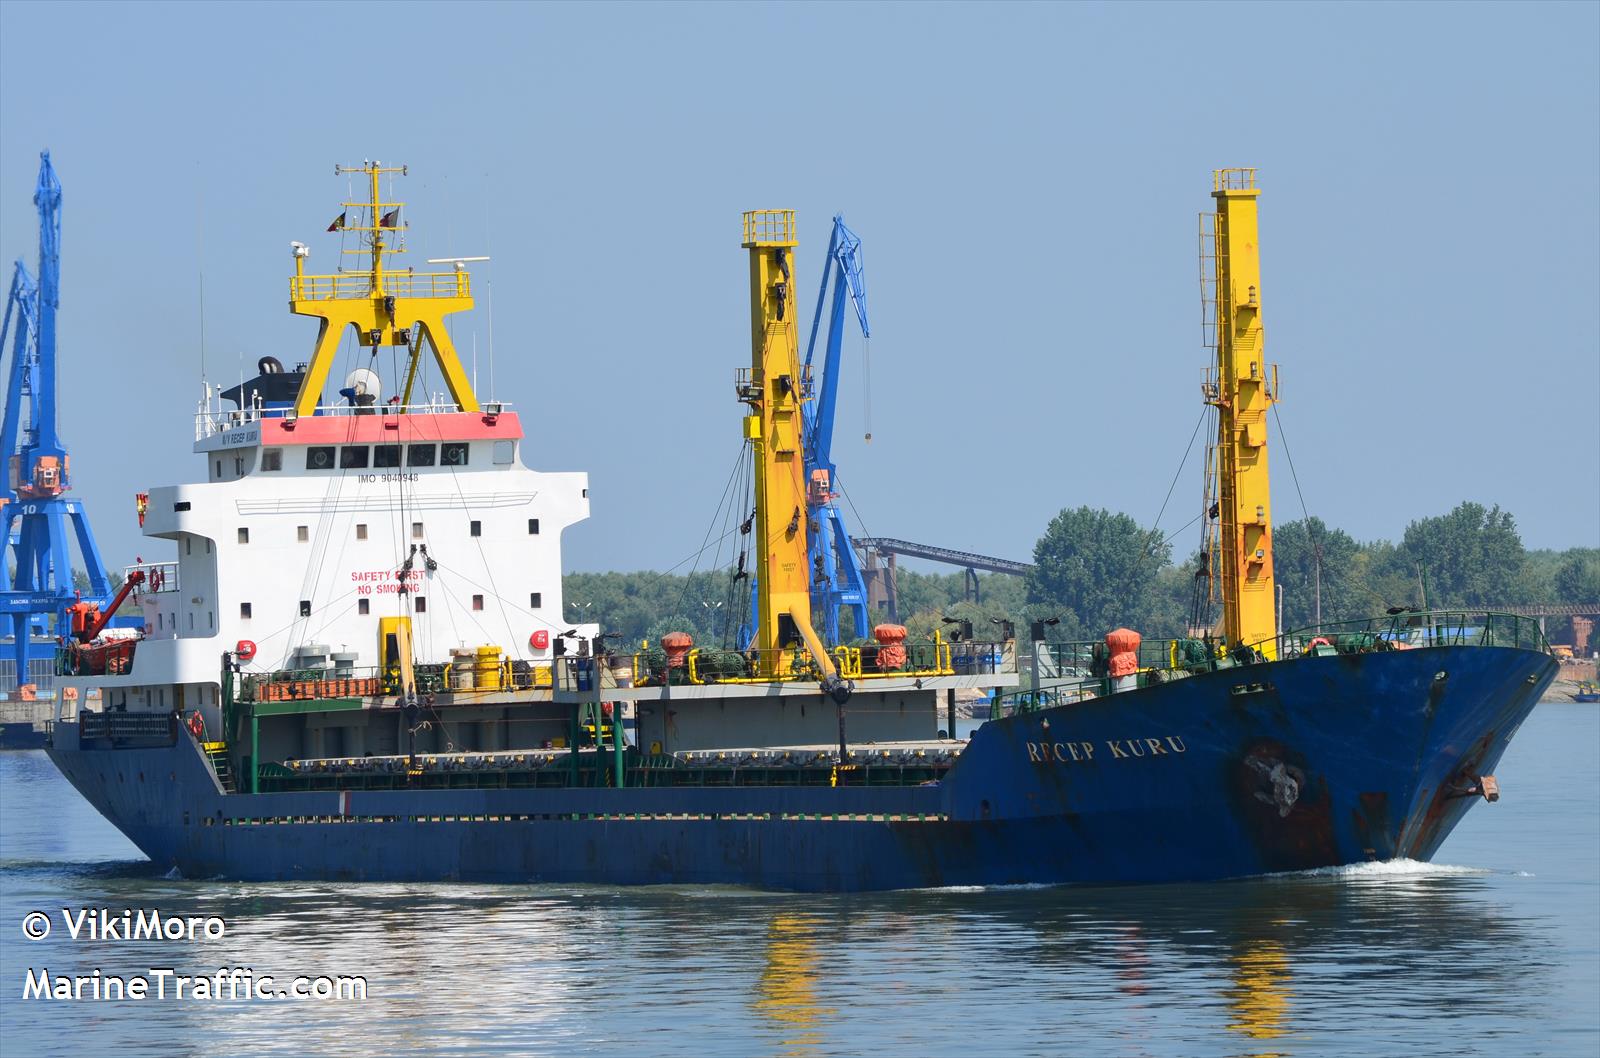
(1409, 630)
(325, 684)
(350, 285)
(749, 385)
(701, 666)
(1078, 670)
(159, 577)
(126, 730)
(214, 420)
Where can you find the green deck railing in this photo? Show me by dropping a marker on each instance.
(1163, 660)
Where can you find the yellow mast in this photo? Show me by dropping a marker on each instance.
(386, 307)
(1243, 387)
(774, 389)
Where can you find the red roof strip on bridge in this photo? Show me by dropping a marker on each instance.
(390, 429)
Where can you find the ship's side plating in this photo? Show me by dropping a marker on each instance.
(1298, 764)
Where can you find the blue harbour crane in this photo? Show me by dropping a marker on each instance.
(36, 510)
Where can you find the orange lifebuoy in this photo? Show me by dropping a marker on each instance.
(197, 725)
(155, 580)
(245, 650)
(1320, 641)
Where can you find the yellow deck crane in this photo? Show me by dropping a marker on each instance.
(1242, 387)
(774, 388)
(385, 306)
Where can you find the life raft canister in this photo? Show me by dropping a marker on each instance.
(245, 649)
(539, 640)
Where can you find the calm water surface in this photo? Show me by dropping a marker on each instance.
(1494, 951)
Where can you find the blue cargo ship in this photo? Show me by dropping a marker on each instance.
(356, 667)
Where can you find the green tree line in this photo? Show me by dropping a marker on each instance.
(1097, 569)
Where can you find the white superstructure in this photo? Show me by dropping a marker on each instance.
(308, 529)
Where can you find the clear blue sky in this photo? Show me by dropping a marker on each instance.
(1025, 180)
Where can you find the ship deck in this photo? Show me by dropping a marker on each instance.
(900, 763)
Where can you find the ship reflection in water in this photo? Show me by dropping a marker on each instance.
(1380, 959)
(787, 990)
(1260, 996)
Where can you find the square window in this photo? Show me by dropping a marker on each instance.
(416, 530)
(272, 459)
(244, 611)
(363, 606)
(536, 600)
(319, 457)
(477, 602)
(476, 528)
(505, 452)
(361, 530)
(421, 605)
(305, 607)
(352, 457)
(533, 527)
(419, 455)
(302, 533)
(385, 455)
(453, 454)
(244, 535)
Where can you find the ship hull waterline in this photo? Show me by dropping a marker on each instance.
(1294, 765)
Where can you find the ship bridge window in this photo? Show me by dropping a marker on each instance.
(504, 452)
(419, 455)
(536, 600)
(272, 459)
(244, 611)
(453, 454)
(305, 607)
(361, 530)
(319, 457)
(352, 457)
(421, 605)
(302, 533)
(385, 455)
(244, 535)
(475, 527)
(363, 606)
(533, 527)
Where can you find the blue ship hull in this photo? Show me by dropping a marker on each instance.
(1292, 765)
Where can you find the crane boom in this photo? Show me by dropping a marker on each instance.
(34, 512)
(844, 266)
